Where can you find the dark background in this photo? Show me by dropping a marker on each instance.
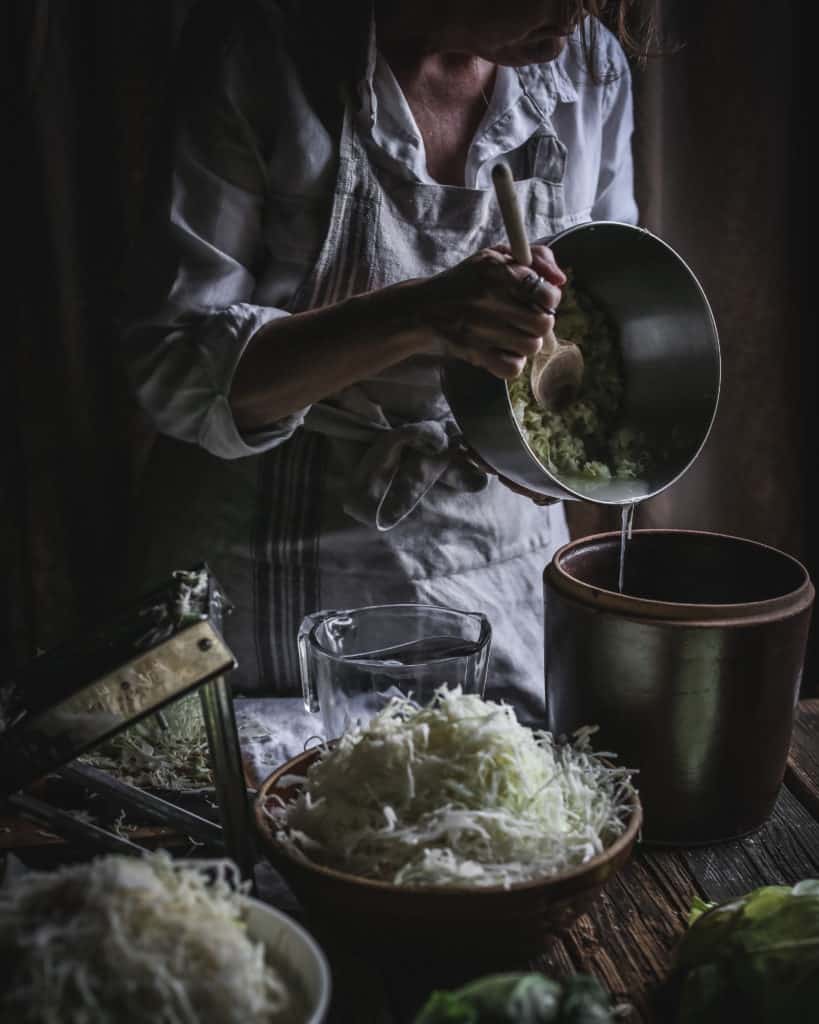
(722, 166)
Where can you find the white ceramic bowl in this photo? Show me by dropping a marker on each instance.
(298, 952)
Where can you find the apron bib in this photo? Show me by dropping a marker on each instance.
(365, 504)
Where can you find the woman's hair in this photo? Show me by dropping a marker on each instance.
(632, 22)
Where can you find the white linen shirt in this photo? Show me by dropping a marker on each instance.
(247, 220)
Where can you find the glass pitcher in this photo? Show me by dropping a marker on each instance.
(353, 661)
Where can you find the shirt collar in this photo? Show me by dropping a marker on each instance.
(522, 101)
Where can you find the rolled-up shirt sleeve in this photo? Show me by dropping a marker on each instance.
(193, 313)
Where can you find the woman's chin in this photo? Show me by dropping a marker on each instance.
(539, 52)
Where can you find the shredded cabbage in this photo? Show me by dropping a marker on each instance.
(192, 587)
(136, 941)
(167, 751)
(454, 793)
(585, 439)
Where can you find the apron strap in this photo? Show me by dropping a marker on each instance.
(401, 464)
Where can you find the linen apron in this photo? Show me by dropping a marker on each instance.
(368, 502)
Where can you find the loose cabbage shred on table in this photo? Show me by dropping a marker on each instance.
(454, 793)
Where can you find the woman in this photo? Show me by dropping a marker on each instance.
(332, 234)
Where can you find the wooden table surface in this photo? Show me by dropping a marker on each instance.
(627, 939)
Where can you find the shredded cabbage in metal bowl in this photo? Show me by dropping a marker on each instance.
(454, 793)
(587, 438)
(137, 941)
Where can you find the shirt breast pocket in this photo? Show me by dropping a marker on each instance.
(546, 157)
(547, 162)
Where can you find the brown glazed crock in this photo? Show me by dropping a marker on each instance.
(692, 674)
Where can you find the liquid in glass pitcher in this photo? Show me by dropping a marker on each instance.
(353, 661)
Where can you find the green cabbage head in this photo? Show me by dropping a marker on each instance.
(754, 960)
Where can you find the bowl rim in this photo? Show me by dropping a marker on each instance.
(324, 993)
(484, 639)
(742, 613)
(295, 765)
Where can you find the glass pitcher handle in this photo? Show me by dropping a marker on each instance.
(308, 683)
(482, 658)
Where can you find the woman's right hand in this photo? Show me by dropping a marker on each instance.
(491, 311)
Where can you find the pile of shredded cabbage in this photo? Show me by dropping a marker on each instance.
(136, 941)
(586, 438)
(454, 793)
(167, 751)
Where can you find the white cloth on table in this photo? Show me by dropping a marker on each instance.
(271, 731)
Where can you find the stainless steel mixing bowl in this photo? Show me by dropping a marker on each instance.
(671, 364)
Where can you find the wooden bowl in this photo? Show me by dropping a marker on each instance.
(516, 921)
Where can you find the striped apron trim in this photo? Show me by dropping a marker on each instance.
(285, 555)
(285, 546)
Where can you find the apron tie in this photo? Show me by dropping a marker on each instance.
(401, 464)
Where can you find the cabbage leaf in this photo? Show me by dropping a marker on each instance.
(755, 959)
(520, 999)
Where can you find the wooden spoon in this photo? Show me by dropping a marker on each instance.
(557, 370)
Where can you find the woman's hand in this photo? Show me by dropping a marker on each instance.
(471, 456)
(491, 311)
(487, 310)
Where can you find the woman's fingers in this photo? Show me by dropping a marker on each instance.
(503, 363)
(506, 326)
(545, 264)
(500, 341)
(493, 312)
(533, 288)
(539, 499)
(499, 278)
(500, 362)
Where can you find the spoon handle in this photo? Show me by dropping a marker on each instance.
(508, 202)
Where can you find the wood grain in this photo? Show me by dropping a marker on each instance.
(627, 940)
(784, 851)
(802, 774)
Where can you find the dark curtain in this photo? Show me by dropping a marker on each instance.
(720, 173)
(87, 119)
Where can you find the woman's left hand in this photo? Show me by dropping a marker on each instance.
(471, 456)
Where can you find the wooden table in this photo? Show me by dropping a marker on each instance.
(628, 938)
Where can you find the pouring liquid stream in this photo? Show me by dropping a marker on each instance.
(626, 527)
